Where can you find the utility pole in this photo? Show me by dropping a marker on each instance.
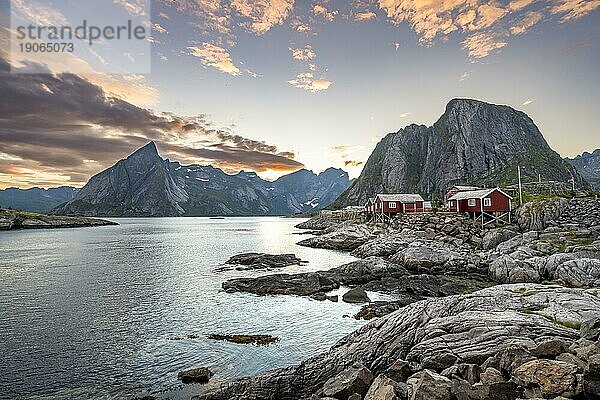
(520, 186)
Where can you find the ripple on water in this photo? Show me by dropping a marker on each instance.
(92, 313)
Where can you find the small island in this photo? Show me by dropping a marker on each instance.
(14, 219)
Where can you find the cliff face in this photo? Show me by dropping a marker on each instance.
(588, 165)
(144, 184)
(473, 142)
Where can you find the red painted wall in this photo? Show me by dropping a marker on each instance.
(408, 207)
(500, 203)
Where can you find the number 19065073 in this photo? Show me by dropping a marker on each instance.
(46, 47)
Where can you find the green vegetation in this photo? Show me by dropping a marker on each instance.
(524, 292)
(554, 320)
(18, 213)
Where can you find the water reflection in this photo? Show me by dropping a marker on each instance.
(108, 312)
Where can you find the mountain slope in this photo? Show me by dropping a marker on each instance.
(144, 184)
(588, 165)
(473, 142)
(36, 199)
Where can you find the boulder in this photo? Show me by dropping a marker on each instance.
(494, 237)
(355, 379)
(195, 375)
(469, 372)
(591, 377)
(263, 260)
(549, 348)
(399, 371)
(383, 388)
(428, 385)
(356, 295)
(345, 236)
(590, 329)
(491, 376)
(553, 378)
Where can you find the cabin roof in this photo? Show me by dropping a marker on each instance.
(476, 194)
(465, 188)
(401, 197)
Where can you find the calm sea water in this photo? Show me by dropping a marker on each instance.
(115, 312)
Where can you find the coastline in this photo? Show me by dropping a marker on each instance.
(534, 310)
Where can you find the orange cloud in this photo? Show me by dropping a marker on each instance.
(303, 54)
(365, 16)
(482, 44)
(263, 14)
(530, 19)
(214, 56)
(306, 81)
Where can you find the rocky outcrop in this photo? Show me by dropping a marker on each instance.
(144, 184)
(536, 215)
(344, 236)
(195, 375)
(472, 142)
(495, 328)
(10, 219)
(250, 261)
(372, 274)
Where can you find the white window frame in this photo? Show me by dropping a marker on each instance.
(393, 204)
(487, 202)
(472, 202)
(451, 203)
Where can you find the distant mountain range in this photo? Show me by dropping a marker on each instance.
(144, 184)
(588, 165)
(36, 199)
(473, 143)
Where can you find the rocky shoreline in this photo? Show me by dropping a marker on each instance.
(497, 313)
(13, 220)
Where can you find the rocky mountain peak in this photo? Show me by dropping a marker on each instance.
(147, 152)
(473, 142)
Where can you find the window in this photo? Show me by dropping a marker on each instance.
(487, 202)
(451, 203)
(392, 204)
(472, 202)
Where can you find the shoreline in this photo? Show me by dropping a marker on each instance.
(510, 286)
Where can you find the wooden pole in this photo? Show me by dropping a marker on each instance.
(520, 186)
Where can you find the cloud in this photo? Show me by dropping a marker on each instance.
(528, 21)
(364, 16)
(159, 28)
(587, 43)
(352, 163)
(306, 81)
(480, 45)
(404, 115)
(574, 9)
(528, 102)
(465, 75)
(65, 129)
(346, 149)
(305, 53)
(214, 56)
(263, 14)
(322, 11)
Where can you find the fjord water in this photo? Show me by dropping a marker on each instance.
(111, 312)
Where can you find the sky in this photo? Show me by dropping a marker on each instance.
(277, 85)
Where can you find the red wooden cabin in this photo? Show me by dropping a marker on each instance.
(480, 202)
(457, 189)
(398, 203)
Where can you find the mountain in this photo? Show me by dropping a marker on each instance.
(473, 142)
(144, 184)
(588, 165)
(36, 199)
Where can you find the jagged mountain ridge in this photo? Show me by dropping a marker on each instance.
(588, 165)
(144, 184)
(473, 142)
(36, 199)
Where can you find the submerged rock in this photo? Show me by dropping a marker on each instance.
(258, 340)
(195, 375)
(356, 295)
(264, 261)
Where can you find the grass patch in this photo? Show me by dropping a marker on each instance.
(524, 292)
